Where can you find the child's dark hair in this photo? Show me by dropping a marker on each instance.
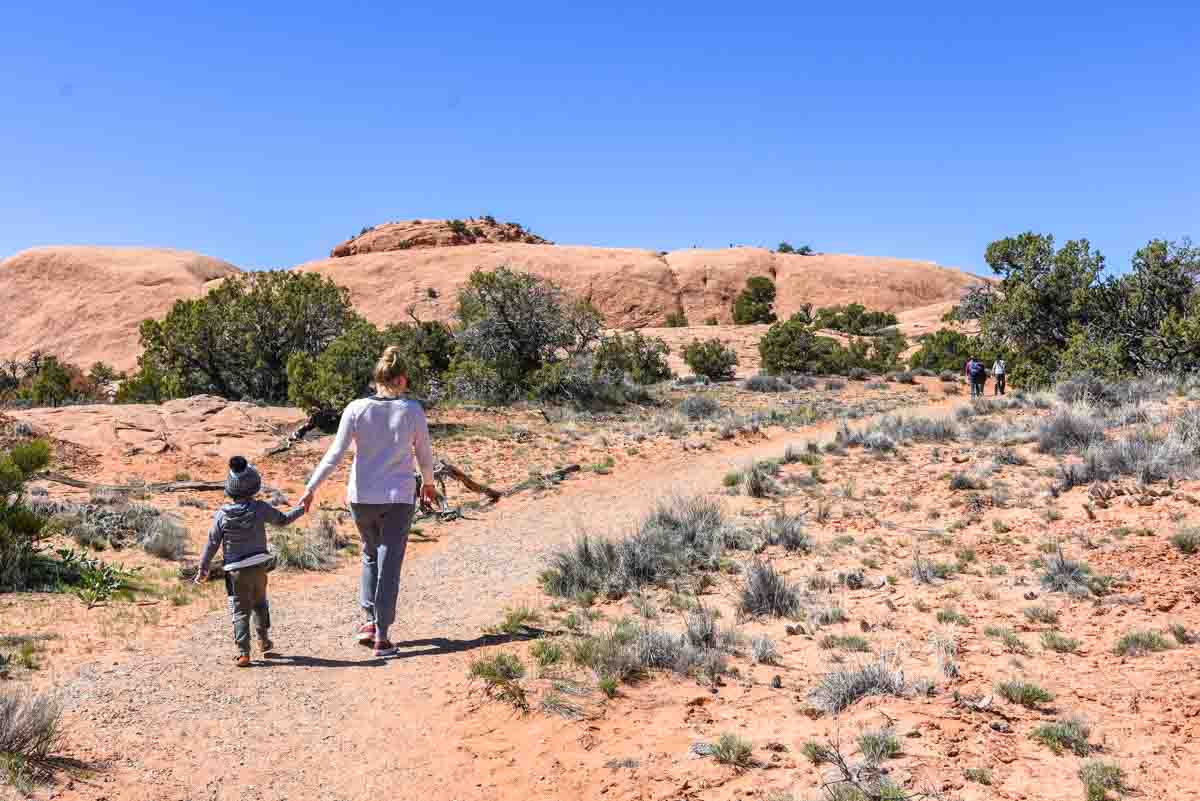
(238, 464)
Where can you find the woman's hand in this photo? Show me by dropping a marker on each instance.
(306, 500)
(201, 576)
(429, 494)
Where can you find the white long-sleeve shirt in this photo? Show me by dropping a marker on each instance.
(385, 432)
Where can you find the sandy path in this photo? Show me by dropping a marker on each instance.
(326, 721)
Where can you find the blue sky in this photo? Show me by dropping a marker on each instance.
(266, 133)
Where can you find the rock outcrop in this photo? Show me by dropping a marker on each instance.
(84, 304)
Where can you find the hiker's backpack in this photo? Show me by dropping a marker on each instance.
(977, 369)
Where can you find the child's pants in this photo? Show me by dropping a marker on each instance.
(248, 595)
(384, 531)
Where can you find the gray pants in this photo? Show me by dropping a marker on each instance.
(248, 596)
(383, 528)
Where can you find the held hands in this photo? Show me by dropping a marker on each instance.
(429, 494)
(306, 501)
(201, 577)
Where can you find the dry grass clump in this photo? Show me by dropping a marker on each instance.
(311, 548)
(699, 407)
(683, 535)
(766, 383)
(1141, 641)
(1100, 777)
(766, 592)
(1187, 540)
(788, 531)
(165, 538)
(1070, 734)
(878, 745)
(841, 687)
(30, 731)
(733, 750)
(501, 676)
(1059, 643)
(1025, 693)
(1070, 429)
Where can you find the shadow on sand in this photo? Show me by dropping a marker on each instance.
(433, 646)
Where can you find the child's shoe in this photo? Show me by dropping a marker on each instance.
(242, 660)
(365, 634)
(267, 645)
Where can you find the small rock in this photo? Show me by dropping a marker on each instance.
(1001, 726)
(1031, 596)
(777, 682)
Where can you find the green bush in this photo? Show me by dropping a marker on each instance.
(711, 359)
(344, 371)
(20, 529)
(513, 326)
(792, 346)
(854, 319)
(756, 302)
(236, 340)
(643, 359)
(676, 319)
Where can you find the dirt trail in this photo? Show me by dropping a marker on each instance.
(326, 721)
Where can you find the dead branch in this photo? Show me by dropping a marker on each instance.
(166, 486)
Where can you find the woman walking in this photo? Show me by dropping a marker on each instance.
(386, 430)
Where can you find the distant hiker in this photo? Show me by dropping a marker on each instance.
(386, 430)
(999, 371)
(977, 375)
(238, 529)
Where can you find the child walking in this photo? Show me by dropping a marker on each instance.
(238, 527)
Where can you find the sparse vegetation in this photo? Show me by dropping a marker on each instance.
(765, 592)
(30, 732)
(501, 676)
(1060, 643)
(1070, 734)
(1025, 693)
(841, 687)
(733, 750)
(1099, 778)
(1141, 641)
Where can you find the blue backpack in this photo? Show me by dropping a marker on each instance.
(977, 370)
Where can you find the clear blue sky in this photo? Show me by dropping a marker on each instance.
(265, 133)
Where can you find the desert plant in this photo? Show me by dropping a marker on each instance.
(643, 359)
(676, 319)
(1066, 575)
(1187, 540)
(878, 745)
(755, 303)
(1041, 614)
(1100, 777)
(1060, 643)
(1141, 641)
(1025, 693)
(978, 775)
(766, 383)
(841, 687)
(733, 750)
(165, 538)
(845, 642)
(711, 358)
(788, 531)
(699, 407)
(763, 650)
(501, 675)
(30, 731)
(1070, 734)
(310, 548)
(766, 592)
(1070, 429)
(546, 652)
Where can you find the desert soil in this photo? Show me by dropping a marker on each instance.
(159, 712)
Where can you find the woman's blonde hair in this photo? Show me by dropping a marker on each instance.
(390, 367)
